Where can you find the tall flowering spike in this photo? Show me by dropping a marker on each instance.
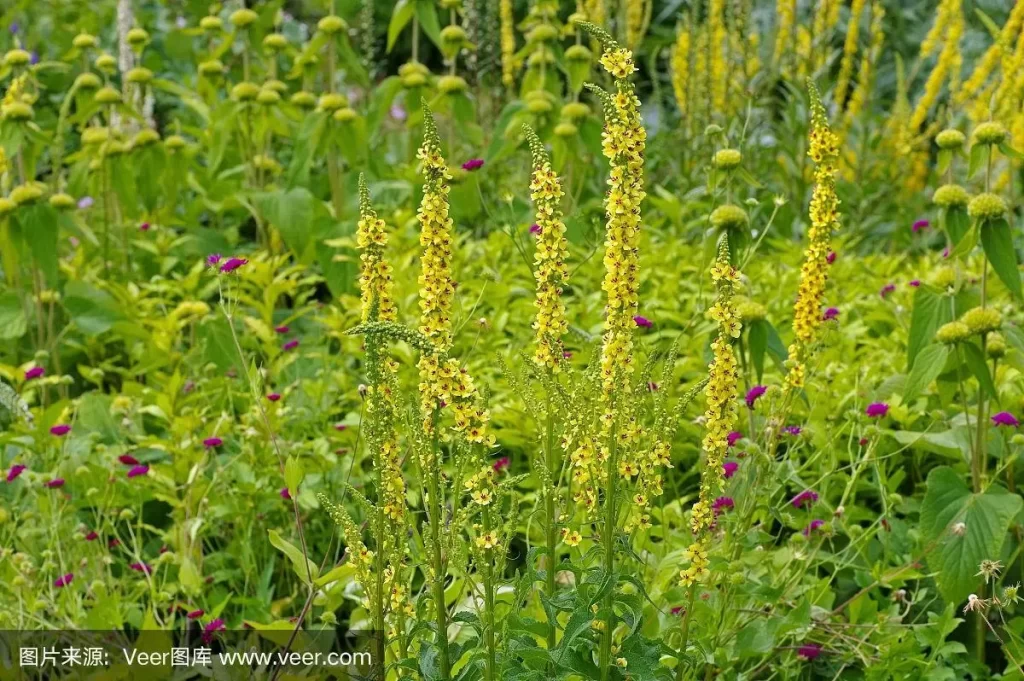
(785, 11)
(681, 64)
(849, 52)
(824, 217)
(508, 43)
(375, 281)
(721, 394)
(719, 70)
(946, 66)
(549, 256)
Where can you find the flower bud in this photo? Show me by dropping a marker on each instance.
(989, 133)
(987, 206)
(243, 18)
(729, 216)
(727, 159)
(331, 24)
(950, 139)
(17, 57)
(84, 41)
(949, 195)
(88, 81)
(107, 95)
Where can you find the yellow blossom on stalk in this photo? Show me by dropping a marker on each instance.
(849, 51)
(785, 13)
(824, 217)
(721, 393)
(638, 17)
(508, 43)
(984, 66)
(947, 65)
(375, 273)
(719, 69)
(866, 73)
(937, 30)
(549, 259)
(681, 64)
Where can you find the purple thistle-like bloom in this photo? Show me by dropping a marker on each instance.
(831, 257)
(815, 524)
(887, 289)
(60, 429)
(290, 345)
(398, 113)
(920, 225)
(274, 397)
(830, 313)
(734, 437)
(754, 393)
(128, 460)
(144, 227)
(196, 614)
(473, 164)
(501, 464)
(13, 27)
(877, 410)
(55, 483)
(643, 322)
(285, 494)
(136, 471)
(805, 498)
(793, 430)
(213, 259)
(809, 651)
(722, 504)
(35, 372)
(85, 202)
(16, 470)
(729, 469)
(282, 329)
(535, 228)
(141, 567)
(64, 580)
(915, 283)
(340, 427)
(233, 264)
(92, 535)
(1005, 418)
(33, 58)
(212, 628)
(212, 442)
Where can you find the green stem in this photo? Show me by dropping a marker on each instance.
(609, 555)
(489, 605)
(549, 512)
(680, 667)
(438, 558)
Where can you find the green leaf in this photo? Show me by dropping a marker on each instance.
(974, 358)
(426, 12)
(986, 518)
(997, 240)
(219, 345)
(957, 223)
(189, 577)
(757, 340)
(927, 366)
(945, 157)
(978, 156)
(1010, 152)
(293, 475)
(303, 566)
(39, 229)
(13, 323)
(400, 16)
(931, 310)
(92, 310)
(292, 213)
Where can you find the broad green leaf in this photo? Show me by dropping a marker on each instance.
(293, 474)
(39, 229)
(757, 340)
(92, 310)
(13, 323)
(957, 223)
(219, 345)
(401, 15)
(292, 213)
(927, 366)
(931, 310)
(303, 566)
(945, 157)
(1010, 152)
(997, 240)
(978, 156)
(958, 551)
(189, 577)
(974, 358)
(426, 12)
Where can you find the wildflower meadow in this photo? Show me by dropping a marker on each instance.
(511, 340)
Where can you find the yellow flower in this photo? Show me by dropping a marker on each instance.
(508, 43)
(849, 51)
(681, 65)
(375, 272)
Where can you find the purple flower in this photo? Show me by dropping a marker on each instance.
(60, 429)
(64, 580)
(290, 345)
(128, 460)
(809, 651)
(830, 313)
(915, 282)
(793, 430)
(501, 464)
(93, 535)
(181, 22)
(136, 471)
(877, 410)
(35, 372)
(473, 164)
(233, 264)
(33, 58)
(805, 498)
(815, 524)
(212, 628)
(55, 483)
(1005, 418)
(729, 469)
(535, 228)
(274, 397)
(643, 322)
(887, 289)
(831, 257)
(734, 437)
(945, 253)
(282, 329)
(144, 227)
(863, 442)
(285, 494)
(195, 614)
(213, 259)
(755, 393)
(722, 504)
(141, 567)
(211, 442)
(566, 355)
(398, 113)
(85, 202)
(919, 225)
(13, 28)
(16, 470)
(340, 427)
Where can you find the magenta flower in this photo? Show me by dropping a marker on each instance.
(473, 164)
(63, 581)
(211, 442)
(340, 427)
(141, 567)
(945, 253)
(722, 504)
(144, 227)
(809, 651)
(274, 397)
(535, 228)
(212, 628)
(915, 283)
(831, 257)
(729, 469)
(1005, 418)
(290, 345)
(55, 483)
(136, 471)
(566, 355)
(501, 464)
(678, 610)
(282, 329)
(863, 442)
(195, 614)
(643, 322)
(805, 498)
(285, 494)
(734, 437)
(830, 313)
(653, 387)
(85, 202)
(35, 372)
(233, 264)
(877, 410)
(920, 225)
(793, 430)
(113, 543)
(815, 524)
(60, 430)
(213, 259)
(754, 393)
(93, 535)
(887, 289)
(16, 470)
(128, 460)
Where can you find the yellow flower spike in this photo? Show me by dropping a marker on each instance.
(947, 65)
(375, 272)
(550, 254)
(719, 69)
(681, 64)
(508, 43)
(824, 218)
(849, 52)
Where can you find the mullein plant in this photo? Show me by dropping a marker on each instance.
(382, 571)
(947, 65)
